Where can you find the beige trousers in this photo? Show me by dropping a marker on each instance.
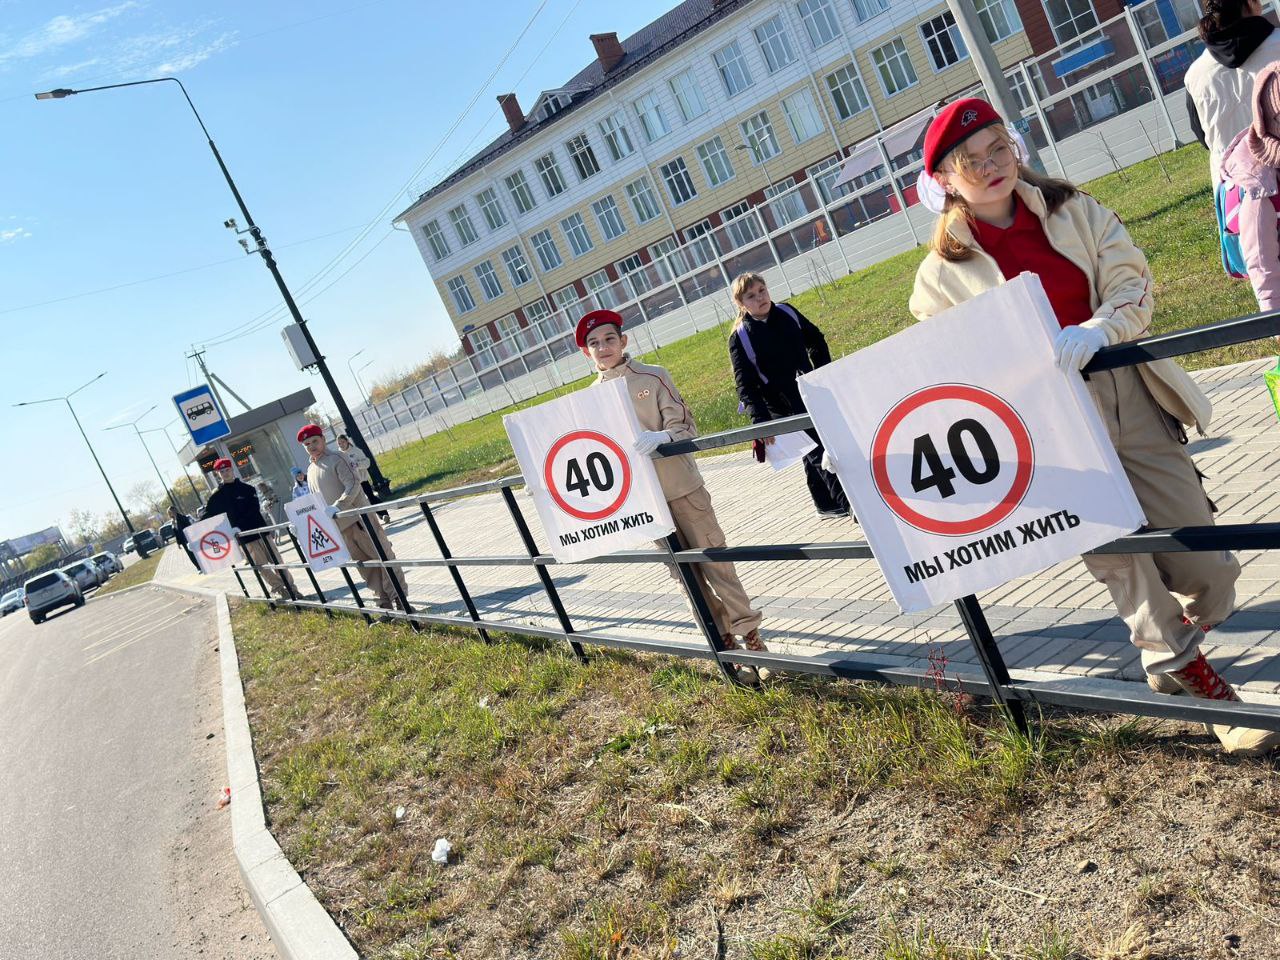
(696, 527)
(264, 551)
(361, 548)
(1154, 591)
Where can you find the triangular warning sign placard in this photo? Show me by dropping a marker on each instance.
(320, 542)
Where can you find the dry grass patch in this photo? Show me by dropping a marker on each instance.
(637, 807)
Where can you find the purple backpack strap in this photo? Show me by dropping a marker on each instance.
(750, 351)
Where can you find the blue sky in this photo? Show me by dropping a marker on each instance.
(113, 256)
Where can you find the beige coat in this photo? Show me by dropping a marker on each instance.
(659, 406)
(333, 477)
(1093, 238)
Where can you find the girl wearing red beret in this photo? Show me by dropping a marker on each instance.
(999, 219)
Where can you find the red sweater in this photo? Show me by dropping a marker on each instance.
(1023, 246)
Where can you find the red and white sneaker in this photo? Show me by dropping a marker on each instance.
(1163, 682)
(1199, 679)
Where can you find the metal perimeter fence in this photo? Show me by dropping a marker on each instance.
(1085, 104)
(993, 681)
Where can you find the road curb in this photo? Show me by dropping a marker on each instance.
(300, 927)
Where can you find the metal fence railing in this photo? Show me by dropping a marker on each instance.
(994, 679)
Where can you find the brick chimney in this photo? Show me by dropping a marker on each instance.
(511, 110)
(608, 50)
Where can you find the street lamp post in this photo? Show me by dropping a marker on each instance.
(164, 484)
(352, 371)
(364, 391)
(67, 399)
(379, 481)
(172, 446)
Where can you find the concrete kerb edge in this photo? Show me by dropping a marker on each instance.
(299, 926)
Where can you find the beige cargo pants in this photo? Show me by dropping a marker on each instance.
(263, 551)
(1154, 591)
(360, 546)
(697, 527)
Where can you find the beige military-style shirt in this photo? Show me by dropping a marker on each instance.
(333, 477)
(659, 406)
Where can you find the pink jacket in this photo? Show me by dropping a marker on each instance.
(1259, 237)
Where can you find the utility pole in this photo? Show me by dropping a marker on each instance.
(989, 70)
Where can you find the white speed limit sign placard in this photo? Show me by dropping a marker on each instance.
(968, 466)
(594, 494)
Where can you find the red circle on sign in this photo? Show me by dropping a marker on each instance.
(563, 504)
(215, 544)
(953, 391)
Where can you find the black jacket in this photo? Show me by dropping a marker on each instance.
(239, 502)
(783, 353)
(1231, 46)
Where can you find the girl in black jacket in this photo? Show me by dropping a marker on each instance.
(771, 345)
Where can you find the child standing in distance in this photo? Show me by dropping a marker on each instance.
(1000, 219)
(1252, 163)
(664, 416)
(771, 345)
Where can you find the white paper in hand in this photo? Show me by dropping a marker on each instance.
(788, 449)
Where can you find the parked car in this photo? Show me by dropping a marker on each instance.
(11, 601)
(85, 574)
(108, 562)
(49, 591)
(168, 532)
(146, 540)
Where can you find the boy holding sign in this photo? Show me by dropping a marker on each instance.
(664, 416)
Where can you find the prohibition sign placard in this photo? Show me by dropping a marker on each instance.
(977, 421)
(591, 468)
(215, 545)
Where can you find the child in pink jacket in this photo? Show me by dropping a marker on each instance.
(1252, 163)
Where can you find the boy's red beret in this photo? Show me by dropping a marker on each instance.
(594, 319)
(223, 464)
(309, 431)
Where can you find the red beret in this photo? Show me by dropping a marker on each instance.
(309, 431)
(955, 124)
(223, 464)
(594, 319)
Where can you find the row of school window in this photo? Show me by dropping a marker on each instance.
(844, 86)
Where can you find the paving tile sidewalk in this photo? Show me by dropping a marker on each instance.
(1059, 621)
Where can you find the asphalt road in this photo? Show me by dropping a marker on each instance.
(111, 844)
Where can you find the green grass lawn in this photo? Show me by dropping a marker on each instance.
(1172, 221)
(141, 572)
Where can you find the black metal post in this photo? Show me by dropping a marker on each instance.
(993, 665)
(447, 554)
(297, 547)
(701, 610)
(395, 581)
(240, 580)
(271, 602)
(531, 547)
(355, 594)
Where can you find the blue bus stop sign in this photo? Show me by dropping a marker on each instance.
(201, 415)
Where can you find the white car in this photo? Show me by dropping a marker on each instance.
(85, 574)
(11, 601)
(107, 562)
(50, 591)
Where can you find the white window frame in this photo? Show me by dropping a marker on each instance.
(803, 119)
(537, 314)
(544, 245)
(602, 289)
(661, 256)
(648, 110)
(462, 298)
(1008, 14)
(823, 174)
(487, 277)
(676, 171)
(462, 225)
(644, 200)
(820, 21)
(757, 132)
(732, 66)
(717, 167)
(632, 271)
(517, 266)
(700, 243)
(617, 137)
(741, 225)
(566, 299)
(1077, 24)
(865, 10)
(548, 169)
(940, 37)
(491, 208)
(791, 207)
(509, 330)
(517, 185)
(612, 226)
(775, 44)
(688, 95)
(574, 228)
(840, 90)
(436, 239)
(885, 62)
(582, 157)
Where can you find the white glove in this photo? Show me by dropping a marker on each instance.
(649, 441)
(1076, 346)
(331, 511)
(828, 464)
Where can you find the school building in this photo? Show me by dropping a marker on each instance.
(603, 188)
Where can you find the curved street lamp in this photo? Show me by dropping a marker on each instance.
(164, 484)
